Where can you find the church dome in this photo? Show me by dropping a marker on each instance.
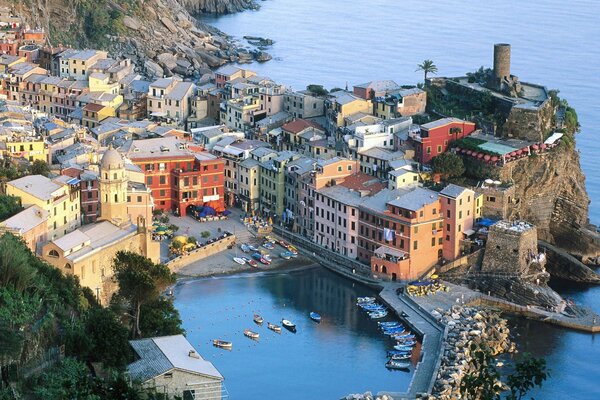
(111, 160)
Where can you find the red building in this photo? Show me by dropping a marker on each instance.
(178, 176)
(434, 137)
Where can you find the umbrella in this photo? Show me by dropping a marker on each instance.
(270, 221)
(161, 229)
(535, 147)
(544, 146)
(458, 149)
(520, 151)
(226, 212)
(487, 157)
(480, 155)
(469, 152)
(497, 183)
(489, 181)
(512, 154)
(495, 158)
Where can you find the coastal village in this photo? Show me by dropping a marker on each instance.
(351, 178)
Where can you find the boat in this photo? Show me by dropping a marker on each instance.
(315, 317)
(400, 357)
(239, 260)
(222, 344)
(292, 249)
(401, 347)
(397, 365)
(286, 255)
(270, 239)
(273, 327)
(258, 319)
(407, 343)
(259, 257)
(250, 334)
(378, 314)
(398, 352)
(365, 300)
(404, 336)
(268, 245)
(245, 248)
(392, 324)
(283, 244)
(289, 325)
(252, 248)
(250, 262)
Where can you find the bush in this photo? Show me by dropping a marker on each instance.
(205, 234)
(448, 165)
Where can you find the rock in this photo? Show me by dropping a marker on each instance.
(168, 61)
(262, 56)
(208, 58)
(169, 24)
(153, 69)
(131, 23)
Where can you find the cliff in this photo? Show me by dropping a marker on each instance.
(550, 193)
(218, 6)
(161, 37)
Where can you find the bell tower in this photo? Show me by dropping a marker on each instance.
(113, 188)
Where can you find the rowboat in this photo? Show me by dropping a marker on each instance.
(401, 347)
(258, 319)
(245, 248)
(268, 245)
(283, 243)
(273, 327)
(365, 300)
(222, 343)
(286, 255)
(252, 248)
(378, 314)
(250, 262)
(400, 357)
(250, 334)
(315, 317)
(398, 352)
(239, 260)
(270, 239)
(259, 257)
(397, 365)
(390, 324)
(289, 325)
(292, 249)
(407, 343)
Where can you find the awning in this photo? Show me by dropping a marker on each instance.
(158, 114)
(469, 232)
(385, 250)
(553, 138)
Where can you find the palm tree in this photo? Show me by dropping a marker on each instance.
(428, 67)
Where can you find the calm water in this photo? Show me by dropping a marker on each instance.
(555, 43)
(343, 354)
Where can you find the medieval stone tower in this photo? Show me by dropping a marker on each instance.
(113, 188)
(502, 62)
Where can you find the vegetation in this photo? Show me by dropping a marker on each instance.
(448, 165)
(317, 90)
(477, 170)
(39, 167)
(205, 234)
(485, 384)
(428, 67)
(140, 282)
(9, 206)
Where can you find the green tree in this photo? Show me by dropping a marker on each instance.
(9, 206)
(16, 271)
(160, 318)
(428, 67)
(448, 165)
(140, 282)
(39, 167)
(317, 90)
(108, 338)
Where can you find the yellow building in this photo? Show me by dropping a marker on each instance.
(239, 113)
(99, 82)
(58, 197)
(402, 178)
(342, 104)
(248, 184)
(93, 114)
(478, 206)
(27, 147)
(88, 252)
(7, 61)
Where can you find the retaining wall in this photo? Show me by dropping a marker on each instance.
(206, 251)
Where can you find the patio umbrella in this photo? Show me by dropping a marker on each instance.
(535, 147)
(544, 146)
(480, 155)
(469, 152)
(487, 157)
(495, 158)
(161, 229)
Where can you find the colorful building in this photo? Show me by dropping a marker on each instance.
(434, 137)
(458, 209)
(177, 176)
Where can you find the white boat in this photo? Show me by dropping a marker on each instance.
(392, 364)
(239, 260)
(288, 325)
(251, 334)
(378, 314)
(365, 300)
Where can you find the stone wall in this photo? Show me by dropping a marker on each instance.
(497, 201)
(529, 123)
(210, 249)
(509, 248)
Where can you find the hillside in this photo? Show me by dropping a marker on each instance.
(160, 36)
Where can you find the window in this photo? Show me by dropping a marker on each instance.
(89, 195)
(416, 229)
(162, 179)
(139, 199)
(162, 193)
(129, 199)
(432, 241)
(168, 375)
(149, 180)
(448, 213)
(428, 151)
(415, 245)
(53, 253)
(439, 149)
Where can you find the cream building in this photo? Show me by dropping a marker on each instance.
(57, 197)
(88, 252)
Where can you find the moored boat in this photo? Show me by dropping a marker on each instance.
(365, 300)
(399, 352)
(251, 334)
(250, 262)
(258, 319)
(283, 244)
(286, 255)
(397, 365)
(239, 260)
(400, 357)
(378, 314)
(289, 325)
(259, 257)
(401, 347)
(315, 317)
(222, 343)
(245, 248)
(268, 245)
(252, 248)
(273, 327)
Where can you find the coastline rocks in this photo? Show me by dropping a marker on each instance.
(467, 326)
(367, 396)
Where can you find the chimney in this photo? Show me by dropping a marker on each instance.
(193, 354)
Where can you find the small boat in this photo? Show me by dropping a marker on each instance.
(258, 319)
(399, 352)
(268, 245)
(397, 365)
(286, 255)
(289, 325)
(404, 336)
(250, 334)
(400, 357)
(407, 343)
(392, 324)
(315, 317)
(222, 343)
(401, 348)
(273, 327)
(259, 257)
(378, 314)
(365, 300)
(252, 248)
(283, 244)
(270, 239)
(239, 260)
(245, 248)
(250, 262)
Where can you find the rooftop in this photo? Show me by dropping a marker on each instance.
(37, 186)
(168, 146)
(162, 354)
(415, 199)
(379, 86)
(453, 191)
(299, 125)
(26, 220)
(443, 121)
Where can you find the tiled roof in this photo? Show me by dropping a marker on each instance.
(415, 199)
(299, 125)
(453, 191)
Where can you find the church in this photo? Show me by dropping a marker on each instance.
(88, 252)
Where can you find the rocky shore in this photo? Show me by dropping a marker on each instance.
(467, 326)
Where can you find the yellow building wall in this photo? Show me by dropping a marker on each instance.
(103, 85)
(31, 150)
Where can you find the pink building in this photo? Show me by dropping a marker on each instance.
(457, 211)
(30, 224)
(336, 212)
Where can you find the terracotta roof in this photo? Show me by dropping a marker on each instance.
(362, 181)
(299, 125)
(93, 107)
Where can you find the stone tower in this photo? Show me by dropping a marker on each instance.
(113, 188)
(502, 62)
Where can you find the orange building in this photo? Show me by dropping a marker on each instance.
(457, 208)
